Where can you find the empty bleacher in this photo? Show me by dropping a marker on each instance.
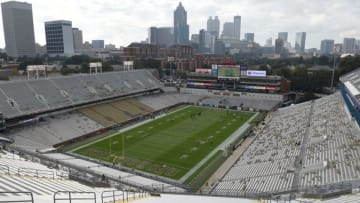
(52, 130)
(256, 101)
(47, 87)
(18, 98)
(114, 112)
(15, 184)
(322, 129)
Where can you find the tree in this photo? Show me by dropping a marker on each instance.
(106, 67)
(78, 59)
(323, 60)
(84, 68)
(25, 61)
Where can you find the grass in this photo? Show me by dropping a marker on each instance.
(85, 141)
(169, 146)
(200, 176)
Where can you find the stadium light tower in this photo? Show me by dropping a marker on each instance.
(37, 70)
(128, 65)
(93, 67)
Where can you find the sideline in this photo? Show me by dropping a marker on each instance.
(222, 146)
(128, 128)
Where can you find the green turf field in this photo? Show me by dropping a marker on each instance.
(169, 146)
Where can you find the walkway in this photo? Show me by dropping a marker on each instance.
(303, 149)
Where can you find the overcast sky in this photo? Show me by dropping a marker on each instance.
(123, 21)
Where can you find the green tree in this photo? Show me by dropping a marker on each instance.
(85, 68)
(106, 67)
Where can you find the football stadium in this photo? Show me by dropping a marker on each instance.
(125, 136)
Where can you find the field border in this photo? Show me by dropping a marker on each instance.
(222, 146)
(127, 129)
(202, 164)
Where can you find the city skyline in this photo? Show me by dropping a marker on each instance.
(129, 22)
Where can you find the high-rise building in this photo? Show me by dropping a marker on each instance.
(237, 27)
(326, 46)
(59, 38)
(78, 38)
(268, 42)
(213, 26)
(228, 31)
(98, 44)
(300, 42)
(86, 45)
(195, 38)
(202, 40)
(249, 37)
(348, 45)
(219, 47)
(181, 28)
(110, 46)
(18, 28)
(152, 35)
(283, 36)
(163, 36)
(279, 46)
(206, 41)
(357, 46)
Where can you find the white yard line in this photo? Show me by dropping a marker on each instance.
(128, 128)
(223, 145)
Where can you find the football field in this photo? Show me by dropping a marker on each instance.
(171, 145)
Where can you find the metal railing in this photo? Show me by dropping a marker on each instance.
(5, 198)
(5, 168)
(36, 173)
(115, 195)
(72, 196)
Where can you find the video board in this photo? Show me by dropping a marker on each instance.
(228, 71)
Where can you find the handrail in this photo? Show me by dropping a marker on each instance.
(7, 200)
(6, 167)
(112, 195)
(37, 172)
(124, 195)
(71, 198)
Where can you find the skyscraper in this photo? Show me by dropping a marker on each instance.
(249, 37)
(78, 38)
(206, 41)
(300, 42)
(327, 46)
(163, 36)
(279, 46)
(228, 31)
(59, 38)
(283, 36)
(18, 28)
(348, 45)
(181, 28)
(98, 44)
(213, 26)
(202, 40)
(195, 38)
(237, 27)
(152, 36)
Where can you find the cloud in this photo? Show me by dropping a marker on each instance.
(121, 22)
